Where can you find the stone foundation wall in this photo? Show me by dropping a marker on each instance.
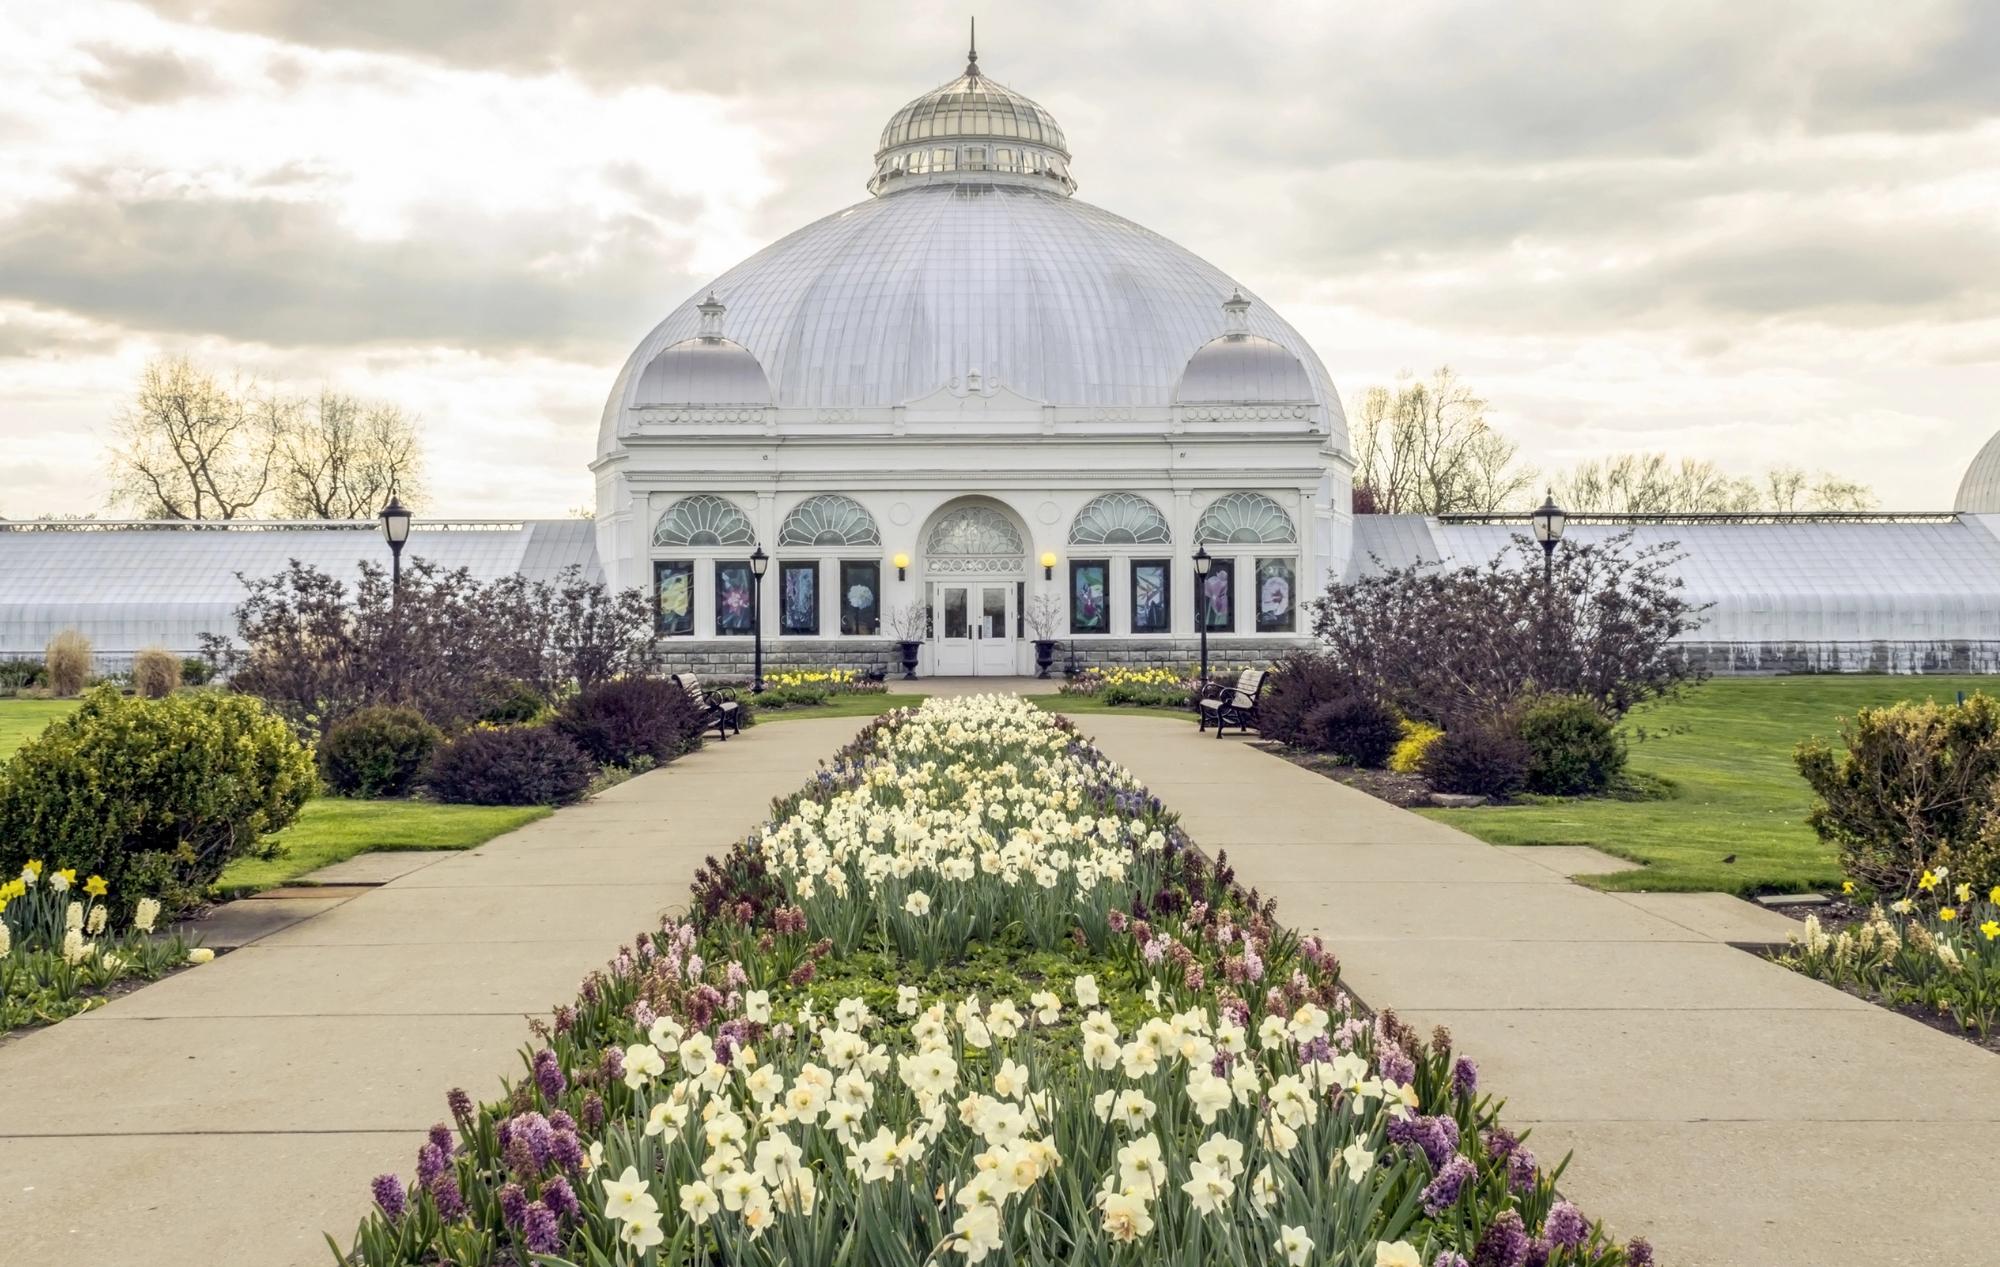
(733, 657)
(1134, 653)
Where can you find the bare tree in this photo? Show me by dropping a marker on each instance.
(1654, 484)
(189, 447)
(1424, 447)
(341, 458)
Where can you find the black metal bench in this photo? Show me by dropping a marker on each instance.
(1232, 705)
(718, 707)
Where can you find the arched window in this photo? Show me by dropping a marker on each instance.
(704, 520)
(974, 530)
(1119, 519)
(1246, 518)
(829, 520)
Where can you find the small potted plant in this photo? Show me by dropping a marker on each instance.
(908, 622)
(1045, 617)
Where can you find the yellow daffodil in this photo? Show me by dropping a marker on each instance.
(1847, 886)
(95, 886)
(1927, 881)
(1994, 896)
(1990, 929)
(1947, 913)
(1964, 892)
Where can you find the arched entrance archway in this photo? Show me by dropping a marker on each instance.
(975, 568)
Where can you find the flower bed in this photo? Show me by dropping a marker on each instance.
(971, 996)
(1140, 688)
(1937, 954)
(808, 688)
(58, 955)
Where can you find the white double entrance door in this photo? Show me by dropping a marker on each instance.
(974, 626)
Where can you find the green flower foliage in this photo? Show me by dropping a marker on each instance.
(157, 796)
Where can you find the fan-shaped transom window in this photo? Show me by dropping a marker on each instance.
(1119, 519)
(1245, 518)
(704, 520)
(974, 530)
(829, 520)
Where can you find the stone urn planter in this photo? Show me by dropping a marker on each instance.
(1045, 655)
(910, 649)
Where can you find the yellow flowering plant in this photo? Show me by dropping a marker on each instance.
(59, 954)
(1943, 959)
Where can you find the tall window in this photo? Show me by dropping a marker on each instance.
(1152, 596)
(733, 597)
(1089, 596)
(1276, 597)
(1217, 596)
(673, 590)
(704, 520)
(861, 597)
(798, 597)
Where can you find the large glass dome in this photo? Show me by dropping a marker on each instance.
(1979, 491)
(963, 277)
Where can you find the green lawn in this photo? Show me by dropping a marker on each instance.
(1093, 704)
(1726, 751)
(23, 719)
(332, 829)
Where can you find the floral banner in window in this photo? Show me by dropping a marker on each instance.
(861, 598)
(1152, 596)
(673, 588)
(1276, 596)
(1218, 595)
(1089, 597)
(798, 598)
(733, 599)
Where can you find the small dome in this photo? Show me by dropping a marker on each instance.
(707, 369)
(1239, 367)
(971, 130)
(1979, 491)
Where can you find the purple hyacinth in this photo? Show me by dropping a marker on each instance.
(1443, 1192)
(566, 1150)
(1504, 1245)
(549, 1074)
(1565, 1226)
(1464, 1078)
(562, 1121)
(1500, 1143)
(390, 1197)
(1394, 1065)
(431, 1162)
(442, 1137)
(513, 1204)
(1639, 1254)
(1521, 1171)
(449, 1200)
(539, 1231)
(1436, 1137)
(1450, 1258)
(593, 1111)
(561, 1198)
(1318, 1051)
(614, 1063)
(459, 1103)
(1538, 1253)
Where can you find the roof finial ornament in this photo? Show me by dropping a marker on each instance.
(972, 52)
(711, 311)
(1236, 313)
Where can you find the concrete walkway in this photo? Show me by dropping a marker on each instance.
(1734, 1112)
(230, 1114)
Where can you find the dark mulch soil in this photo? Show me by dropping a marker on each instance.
(1407, 791)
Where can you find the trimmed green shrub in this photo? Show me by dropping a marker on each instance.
(1917, 789)
(157, 796)
(1574, 748)
(510, 765)
(66, 661)
(156, 673)
(377, 752)
(621, 721)
(1478, 759)
(1356, 727)
(504, 703)
(197, 671)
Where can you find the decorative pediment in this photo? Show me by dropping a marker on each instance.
(974, 395)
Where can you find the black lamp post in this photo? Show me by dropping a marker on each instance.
(759, 561)
(1549, 523)
(396, 531)
(1201, 566)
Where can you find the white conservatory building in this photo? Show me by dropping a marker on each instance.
(980, 409)
(975, 410)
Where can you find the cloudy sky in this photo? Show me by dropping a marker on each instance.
(1757, 233)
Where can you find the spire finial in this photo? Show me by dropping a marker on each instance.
(711, 311)
(1236, 313)
(972, 51)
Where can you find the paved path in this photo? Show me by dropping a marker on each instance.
(1736, 1113)
(228, 1115)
